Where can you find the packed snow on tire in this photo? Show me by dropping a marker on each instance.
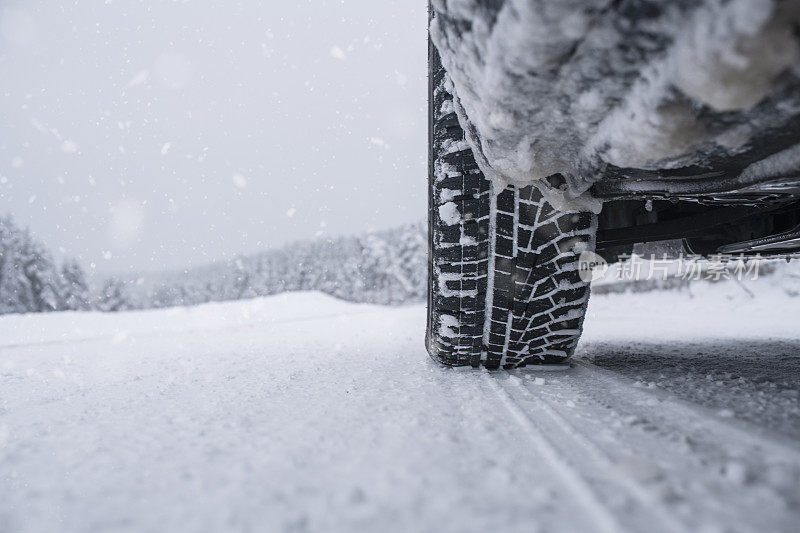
(553, 86)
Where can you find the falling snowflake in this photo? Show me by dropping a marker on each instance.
(338, 53)
(239, 181)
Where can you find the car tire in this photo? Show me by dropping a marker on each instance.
(505, 288)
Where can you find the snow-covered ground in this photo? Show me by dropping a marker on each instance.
(303, 413)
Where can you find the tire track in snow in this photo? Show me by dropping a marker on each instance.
(648, 511)
(678, 409)
(682, 452)
(569, 474)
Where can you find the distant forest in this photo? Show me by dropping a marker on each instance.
(386, 267)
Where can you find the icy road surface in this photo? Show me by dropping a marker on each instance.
(302, 413)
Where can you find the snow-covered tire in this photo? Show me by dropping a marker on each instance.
(504, 285)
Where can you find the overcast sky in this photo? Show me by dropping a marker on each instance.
(143, 135)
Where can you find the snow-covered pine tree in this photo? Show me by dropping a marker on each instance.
(75, 293)
(13, 286)
(115, 296)
(40, 270)
(29, 279)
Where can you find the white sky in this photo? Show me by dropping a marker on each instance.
(165, 133)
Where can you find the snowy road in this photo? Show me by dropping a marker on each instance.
(302, 413)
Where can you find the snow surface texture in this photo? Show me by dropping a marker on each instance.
(299, 412)
(568, 86)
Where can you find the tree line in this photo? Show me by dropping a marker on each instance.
(386, 267)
